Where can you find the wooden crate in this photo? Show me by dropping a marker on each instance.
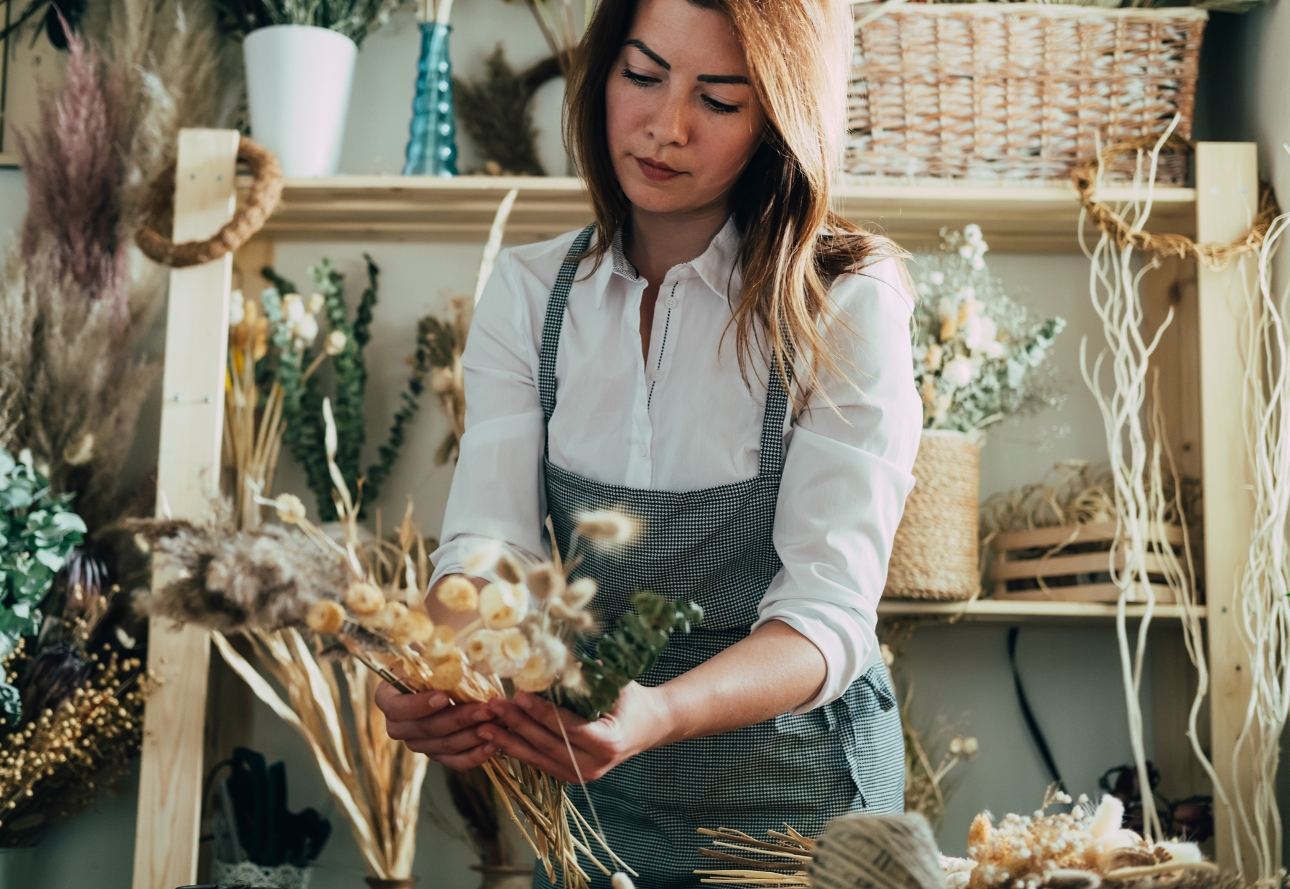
(1070, 563)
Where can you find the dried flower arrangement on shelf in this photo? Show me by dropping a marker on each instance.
(1082, 848)
(496, 111)
(356, 19)
(976, 353)
(280, 339)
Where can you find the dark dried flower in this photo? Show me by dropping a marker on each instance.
(263, 579)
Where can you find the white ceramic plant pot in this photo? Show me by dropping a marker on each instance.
(15, 867)
(298, 80)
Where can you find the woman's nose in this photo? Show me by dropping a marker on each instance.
(670, 122)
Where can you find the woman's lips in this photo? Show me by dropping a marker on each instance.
(656, 171)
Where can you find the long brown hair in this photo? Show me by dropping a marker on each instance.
(793, 244)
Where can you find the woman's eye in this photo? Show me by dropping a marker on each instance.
(720, 107)
(638, 79)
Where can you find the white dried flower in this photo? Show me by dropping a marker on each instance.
(972, 232)
(292, 308)
(956, 747)
(480, 646)
(236, 308)
(979, 330)
(502, 605)
(937, 278)
(971, 747)
(605, 526)
(957, 371)
(947, 308)
(573, 680)
(620, 880)
(291, 509)
(335, 343)
(315, 303)
(536, 676)
(306, 329)
(1107, 819)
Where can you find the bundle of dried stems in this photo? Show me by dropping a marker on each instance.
(1144, 477)
(76, 302)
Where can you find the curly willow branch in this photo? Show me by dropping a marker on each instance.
(1128, 232)
(1136, 454)
(1261, 604)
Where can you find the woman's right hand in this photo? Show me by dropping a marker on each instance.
(428, 723)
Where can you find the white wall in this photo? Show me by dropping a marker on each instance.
(960, 672)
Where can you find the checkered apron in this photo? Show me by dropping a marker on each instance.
(714, 546)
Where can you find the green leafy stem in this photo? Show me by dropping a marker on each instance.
(630, 650)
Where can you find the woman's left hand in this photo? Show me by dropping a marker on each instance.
(529, 730)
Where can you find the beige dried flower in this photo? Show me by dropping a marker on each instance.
(508, 569)
(389, 615)
(480, 646)
(456, 593)
(442, 644)
(502, 605)
(325, 616)
(442, 380)
(544, 582)
(335, 343)
(535, 677)
(364, 599)
(291, 509)
(414, 625)
(605, 526)
(315, 303)
(512, 653)
(578, 595)
(447, 675)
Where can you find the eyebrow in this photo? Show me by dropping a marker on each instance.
(654, 57)
(702, 78)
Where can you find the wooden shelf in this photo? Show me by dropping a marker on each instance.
(1029, 612)
(1039, 218)
(8, 159)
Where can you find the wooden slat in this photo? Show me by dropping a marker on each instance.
(1057, 566)
(1037, 537)
(1030, 612)
(165, 852)
(1089, 592)
(1226, 199)
(1025, 218)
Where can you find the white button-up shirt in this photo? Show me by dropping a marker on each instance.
(683, 419)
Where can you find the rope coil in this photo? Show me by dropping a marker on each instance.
(1213, 256)
(251, 215)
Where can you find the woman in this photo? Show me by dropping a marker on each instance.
(729, 361)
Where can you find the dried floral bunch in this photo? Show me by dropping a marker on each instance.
(562, 23)
(496, 111)
(976, 353)
(356, 19)
(440, 344)
(1080, 848)
(55, 765)
(292, 361)
(925, 780)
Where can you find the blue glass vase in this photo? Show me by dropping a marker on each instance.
(432, 142)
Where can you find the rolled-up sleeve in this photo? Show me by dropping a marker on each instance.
(846, 476)
(496, 489)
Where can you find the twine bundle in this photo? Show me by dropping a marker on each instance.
(251, 215)
(887, 852)
(1125, 233)
(934, 555)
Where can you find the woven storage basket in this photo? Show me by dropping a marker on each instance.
(935, 552)
(1016, 91)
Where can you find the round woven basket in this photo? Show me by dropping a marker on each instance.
(935, 552)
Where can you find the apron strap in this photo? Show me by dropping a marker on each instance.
(771, 463)
(555, 319)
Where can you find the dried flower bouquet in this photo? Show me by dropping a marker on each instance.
(271, 578)
(975, 350)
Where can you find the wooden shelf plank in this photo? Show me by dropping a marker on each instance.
(1039, 218)
(1030, 612)
(8, 159)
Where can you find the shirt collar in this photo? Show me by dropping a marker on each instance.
(714, 266)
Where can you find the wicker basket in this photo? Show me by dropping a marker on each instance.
(935, 552)
(1072, 564)
(1016, 91)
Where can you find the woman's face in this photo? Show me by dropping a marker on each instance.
(682, 119)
